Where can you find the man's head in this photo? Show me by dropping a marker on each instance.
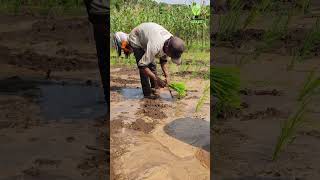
(174, 48)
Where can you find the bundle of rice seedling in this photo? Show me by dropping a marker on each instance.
(225, 86)
(179, 87)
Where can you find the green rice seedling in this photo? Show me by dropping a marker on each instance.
(312, 38)
(288, 130)
(230, 23)
(179, 87)
(278, 30)
(290, 126)
(311, 86)
(303, 5)
(203, 98)
(257, 10)
(225, 86)
(254, 13)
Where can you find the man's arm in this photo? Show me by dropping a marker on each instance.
(164, 67)
(152, 76)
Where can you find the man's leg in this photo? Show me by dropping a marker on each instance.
(144, 79)
(153, 68)
(101, 35)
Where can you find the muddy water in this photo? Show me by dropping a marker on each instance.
(136, 93)
(150, 140)
(58, 100)
(71, 101)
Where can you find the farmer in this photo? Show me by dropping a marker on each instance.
(149, 41)
(98, 12)
(120, 40)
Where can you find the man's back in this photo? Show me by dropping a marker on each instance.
(148, 33)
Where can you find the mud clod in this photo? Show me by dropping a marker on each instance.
(33, 171)
(141, 125)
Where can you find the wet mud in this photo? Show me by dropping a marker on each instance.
(270, 97)
(140, 123)
(41, 57)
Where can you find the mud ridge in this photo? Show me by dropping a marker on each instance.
(269, 112)
(250, 92)
(35, 61)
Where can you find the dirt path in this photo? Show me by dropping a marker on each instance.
(39, 61)
(157, 139)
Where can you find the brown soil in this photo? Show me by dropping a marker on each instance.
(124, 81)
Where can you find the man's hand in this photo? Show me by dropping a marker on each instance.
(161, 83)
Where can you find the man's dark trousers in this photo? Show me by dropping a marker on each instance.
(101, 36)
(146, 82)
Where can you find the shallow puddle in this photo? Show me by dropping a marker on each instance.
(136, 93)
(71, 101)
(195, 132)
(59, 100)
(132, 93)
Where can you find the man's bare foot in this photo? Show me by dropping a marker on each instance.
(156, 92)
